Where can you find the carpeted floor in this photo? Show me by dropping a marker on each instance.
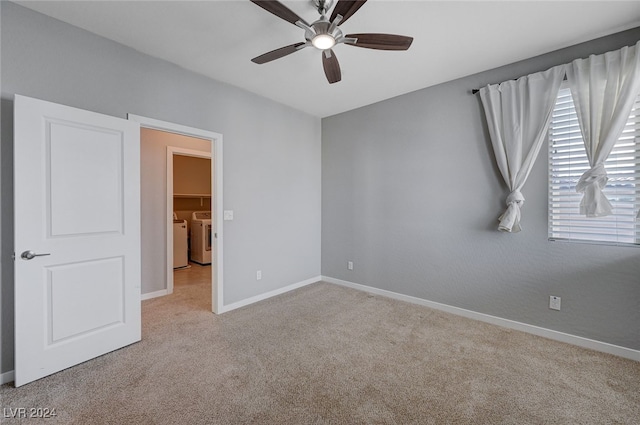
(325, 354)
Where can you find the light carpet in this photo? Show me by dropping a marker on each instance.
(324, 354)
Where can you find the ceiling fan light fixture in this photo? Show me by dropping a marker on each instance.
(323, 41)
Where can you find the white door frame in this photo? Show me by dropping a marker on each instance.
(217, 285)
(171, 151)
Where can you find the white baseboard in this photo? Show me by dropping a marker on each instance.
(603, 347)
(155, 294)
(7, 377)
(579, 341)
(266, 295)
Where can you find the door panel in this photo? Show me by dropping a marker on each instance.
(96, 154)
(102, 298)
(77, 200)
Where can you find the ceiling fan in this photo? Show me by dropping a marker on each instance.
(324, 34)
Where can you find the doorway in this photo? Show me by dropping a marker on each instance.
(161, 242)
(189, 195)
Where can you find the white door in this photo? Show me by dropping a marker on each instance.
(77, 236)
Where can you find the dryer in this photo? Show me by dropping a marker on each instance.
(180, 243)
(201, 237)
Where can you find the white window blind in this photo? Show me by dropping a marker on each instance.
(568, 161)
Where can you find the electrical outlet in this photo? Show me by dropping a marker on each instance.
(350, 265)
(259, 275)
(554, 302)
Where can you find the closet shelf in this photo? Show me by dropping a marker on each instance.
(192, 195)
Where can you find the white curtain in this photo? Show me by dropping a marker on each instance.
(518, 115)
(604, 88)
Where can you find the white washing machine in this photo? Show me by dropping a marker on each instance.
(180, 247)
(201, 237)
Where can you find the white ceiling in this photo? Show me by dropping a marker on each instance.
(452, 39)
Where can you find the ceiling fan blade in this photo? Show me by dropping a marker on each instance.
(331, 66)
(280, 10)
(346, 8)
(381, 41)
(278, 53)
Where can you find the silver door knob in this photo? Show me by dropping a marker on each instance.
(29, 255)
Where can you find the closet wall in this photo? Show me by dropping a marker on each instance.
(191, 186)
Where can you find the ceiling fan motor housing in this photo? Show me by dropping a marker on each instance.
(322, 31)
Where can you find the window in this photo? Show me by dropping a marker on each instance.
(568, 160)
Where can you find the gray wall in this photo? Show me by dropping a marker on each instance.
(411, 195)
(277, 218)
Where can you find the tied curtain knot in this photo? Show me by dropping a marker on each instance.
(515, 196)
(594, 175)
(594, 203)
(510, 220)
